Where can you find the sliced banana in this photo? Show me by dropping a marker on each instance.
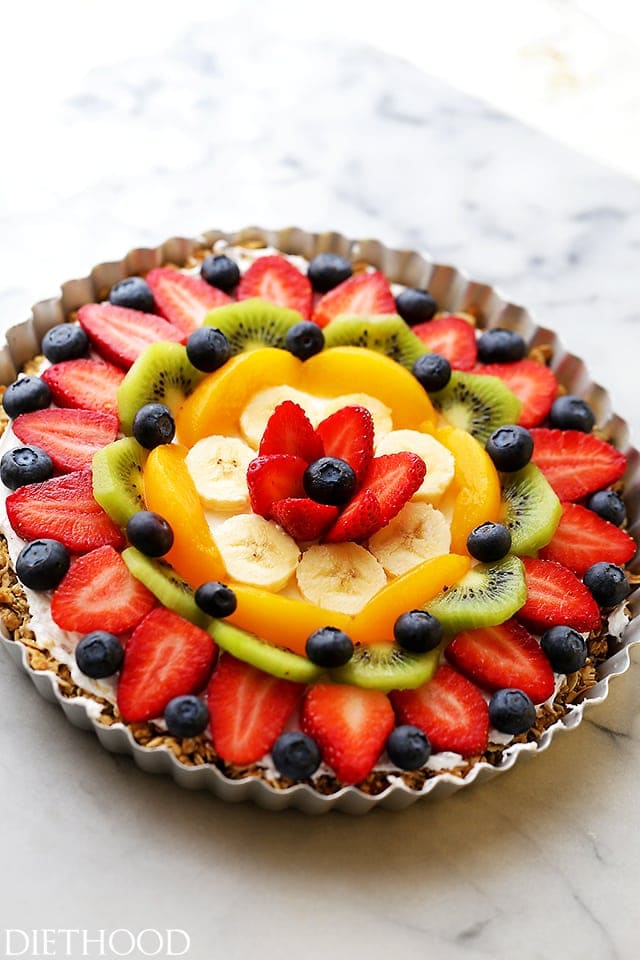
(218, 468)
(440, 463)
(419, 532)
(256, 551)
(380, 412)
(255, 415)
(339, 576)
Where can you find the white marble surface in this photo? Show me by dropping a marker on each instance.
(217, 129)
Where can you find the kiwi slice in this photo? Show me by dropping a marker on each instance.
(273, 660)
(386, 666)
(170, 589)
(386, 333)
(488, 594)
(117, 479)
(253, 323)
(161, 374)
(530, 509)
(478, 404)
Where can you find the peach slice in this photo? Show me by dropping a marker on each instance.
(476, 484)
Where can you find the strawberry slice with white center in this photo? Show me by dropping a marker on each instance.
(350, 726)
(165, 657)
(582, 538)
(120, 334)
(575, 463)
(534, 385)
(277, 280)
(363, 295)
(452, 337)
(289, 430)
(274, 477)
(555, 595)
(249, 709)
(84, 384)
(70, 437)
(183, 299)
(348, 434)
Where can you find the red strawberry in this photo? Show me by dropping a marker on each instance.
(70, 437)
(120, 335)
(449, 709)
(503, 656)
(278, 281)
(533, 384)
(556, 596)
(359, 296)
(582, 538)
(350, 725)
(84, 384)
(576, 463)
(348, 434)
(182, 298)
(359, 520)
(63, 508)
(302, 518)
(275, 477)
(86, 598)
(289, 430)
(249, 709)
(166, 657)
(452, 337)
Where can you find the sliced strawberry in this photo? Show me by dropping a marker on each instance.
(84, 600)
(582, 538)
(84, 384)
(278, 281)
(452, 337)
(503, 656)
(556, 596)
(348, 434)
(350, 725)
(183, 299)
(358, 521)
(165, 657)
(289, 430)
(449, 709)
(63, 509)
(272, 478)
(359, 296)
(249, 709)
(120, 335)
(533, 384)
(70, 437)
(302, 518)
(576, 463)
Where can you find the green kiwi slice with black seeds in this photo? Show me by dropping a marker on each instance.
(386, 666)
(117, 479)
(386, 333)
(161, 374)
(487, 595)
(273, 660)
(164, 583)
(476, 403)
(249, 324)
(530, 509)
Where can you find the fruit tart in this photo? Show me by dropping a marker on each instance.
(310, 521)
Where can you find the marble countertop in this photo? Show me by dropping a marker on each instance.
(204, 132)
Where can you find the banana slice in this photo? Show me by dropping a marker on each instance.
(256, 551)
(218, 468)
(417, 533)
(382, 422)
(340, 576)
(440, 463)
(255, 415)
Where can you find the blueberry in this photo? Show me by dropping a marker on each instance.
(511, 711)
(408, 747)
(65, 341)
(510, 448)
(608, 505)
(221, 272)
(153, 425)
(489, 542)
(304, 339)
(134, 293)
(329, 647)
(329, 480)
(416, 306)
(417, 631)
(501, 346)
(186, 716)
(25, 395)
(327, 270)
(432, 371)
(216, 599)
(208, 349)
(565, 649)
(24, 465)
(571, 413)
(607, 583)
(42, 564)
(99, 654)
(296, 755)
(149, 533)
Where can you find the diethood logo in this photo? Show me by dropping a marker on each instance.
(110, 944)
